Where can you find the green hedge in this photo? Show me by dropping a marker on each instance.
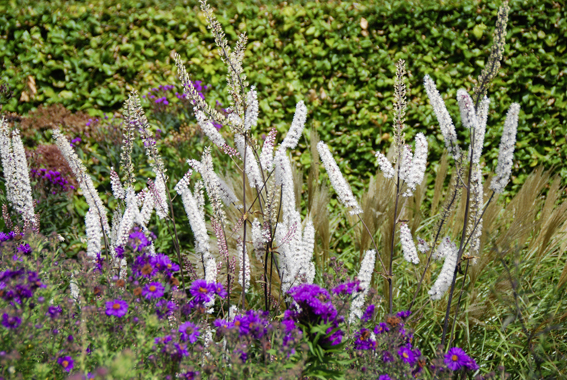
(88, 56)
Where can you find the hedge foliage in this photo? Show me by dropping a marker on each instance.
(337, 56)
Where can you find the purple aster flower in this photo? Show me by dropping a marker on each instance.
(404, 314)
(116, 308)
(180, 351)
(368, 314)
(347, 288)
(189, 332)
(66, 362)
(456, 358)
(153, 290)
(252, 323)
(165, 308)
(384, 377)
(202, 291)
(11, 322)
(363, 340)
(138, 241)
(143, 266)
(380, 328)
(219, 290)
(119, 252)
(99, 261)
(24, 249)
(407, 355)
(314, 301)
(163, 264)
(190, 375)
(54, 311)
(387, 357)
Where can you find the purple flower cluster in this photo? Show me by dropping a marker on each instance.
(253, 324)
(8, 236)
(166, 345)
(363, 340)
(18, 285)
(203, 291)
(11, 322)
(138, 241)
(165, 308)
(313, 306)
(66, 362)
(189, 332)
(149, 266)
(456, 359)
(55, 179)
(347, 288)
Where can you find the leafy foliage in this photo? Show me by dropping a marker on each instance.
(338, 56)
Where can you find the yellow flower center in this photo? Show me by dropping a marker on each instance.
(169, 265)
(116, 306)
(237, 323)
(405, 355)
(454, 358)
(202, 290)
(152, 288)
(65, 363)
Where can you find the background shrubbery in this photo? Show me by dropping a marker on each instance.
(88, 56)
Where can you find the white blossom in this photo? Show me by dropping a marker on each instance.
(251, 118)
(340, 185)
(160, 196)
(308, 267)
(445, 276)
(22, 179)
(408, 246)
(480, 131)
(292, 138)
(284, 178)
(147, 207)
(94, 233)
(445, 247)
(466, 106)
(196, 218)
(422, 245)
(443, 117)
(117, 189)
(252, 169)
(385, 165)
(209, 129)
(244, 266)
(506, 153)
(85, 182)
(267, 154)
(406, 163)
(419, 161)
(364, 276)
(128, 218)
(258, 240)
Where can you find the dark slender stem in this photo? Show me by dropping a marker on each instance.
(390, 273)
(373, 242)
(467, 268)
(461, 248)
(431, 250)
(245, 225)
